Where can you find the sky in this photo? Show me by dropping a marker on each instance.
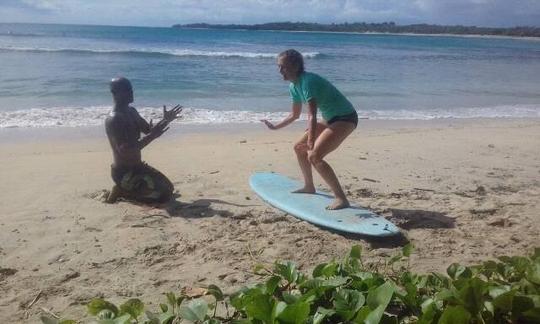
(488, 13)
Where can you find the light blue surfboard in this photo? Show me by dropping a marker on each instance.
(276, 190)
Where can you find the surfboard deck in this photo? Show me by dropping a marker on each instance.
(276, 189)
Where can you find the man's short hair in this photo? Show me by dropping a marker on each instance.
(120, 84)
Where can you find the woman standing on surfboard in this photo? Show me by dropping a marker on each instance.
(339, 121)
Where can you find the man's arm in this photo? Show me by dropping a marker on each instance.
(129, 148)
(144, 126)
(168, 116)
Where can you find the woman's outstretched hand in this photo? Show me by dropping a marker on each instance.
(268, 124)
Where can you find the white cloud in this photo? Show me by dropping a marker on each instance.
(168, 12)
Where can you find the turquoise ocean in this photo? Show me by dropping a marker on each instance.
(57, 75)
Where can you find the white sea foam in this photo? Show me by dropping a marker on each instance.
(94, 116)
(154, 51)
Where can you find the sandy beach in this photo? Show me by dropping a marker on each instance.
(461, 190)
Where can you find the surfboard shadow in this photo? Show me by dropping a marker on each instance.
(416, 218)
(375, 242)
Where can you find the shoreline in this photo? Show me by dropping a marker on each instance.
(10, 134)
(530, 38)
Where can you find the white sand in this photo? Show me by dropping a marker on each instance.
(463, 190)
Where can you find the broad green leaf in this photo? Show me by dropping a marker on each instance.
(347, 302)
(374, 317)
(377, 301)
(151, 317)
(533, 273)
(290, 297)
(133, 307)
(380, 296)
(124, 319)
(288, 271)
(241, 321)
(520, 263)
(321, 314)
(238, 299)
(332, 282)
(472, 295)
(68, 322)
(96, 305)
(536, 254)
(362, 315)
(166, 318)
(277, 310)
(407, 250)
(195, 310)
(521, 304)
(212, 321)
(496, 291)
(387, 319)
(48, 320)
(164, 308)
(488, 306)
(216, 292)
(258, 306)
(504, 301)
(171, 299)
(429, 312)
(329, 270)
(456, 271)
(356, 252)
(272, 284)
(532, 315)
(105, 321)
(455, 315)
(295, 313)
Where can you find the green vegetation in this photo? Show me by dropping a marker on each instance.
(386, 27)
(349, 291)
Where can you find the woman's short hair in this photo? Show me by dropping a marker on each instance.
(294, 58)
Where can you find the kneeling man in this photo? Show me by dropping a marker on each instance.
(134, 179)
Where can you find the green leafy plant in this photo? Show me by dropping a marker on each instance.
(506, 290)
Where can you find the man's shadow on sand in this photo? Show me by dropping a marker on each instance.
(199, 208)
(406, 219)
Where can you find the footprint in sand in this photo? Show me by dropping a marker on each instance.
(99, 195)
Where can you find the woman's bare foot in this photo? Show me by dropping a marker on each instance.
(309, 190)
(338, 204)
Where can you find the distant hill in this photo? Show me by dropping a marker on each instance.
(386, 27)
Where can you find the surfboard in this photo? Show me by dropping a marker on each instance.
(276, 189)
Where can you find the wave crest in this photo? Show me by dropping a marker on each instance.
(95, 116)
(155, 52)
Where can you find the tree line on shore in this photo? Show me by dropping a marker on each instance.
(385, 27)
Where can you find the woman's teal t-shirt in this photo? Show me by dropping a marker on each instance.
(329, 100)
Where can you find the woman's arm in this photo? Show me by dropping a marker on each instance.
(294, 115)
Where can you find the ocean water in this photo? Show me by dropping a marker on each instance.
(57, 75)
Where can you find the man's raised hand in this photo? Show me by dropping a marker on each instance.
(170, 115)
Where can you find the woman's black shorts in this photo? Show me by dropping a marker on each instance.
(351, 118)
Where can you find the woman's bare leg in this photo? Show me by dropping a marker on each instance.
(328, 141)
(301, 150)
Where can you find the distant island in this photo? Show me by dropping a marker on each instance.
(386, 27)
